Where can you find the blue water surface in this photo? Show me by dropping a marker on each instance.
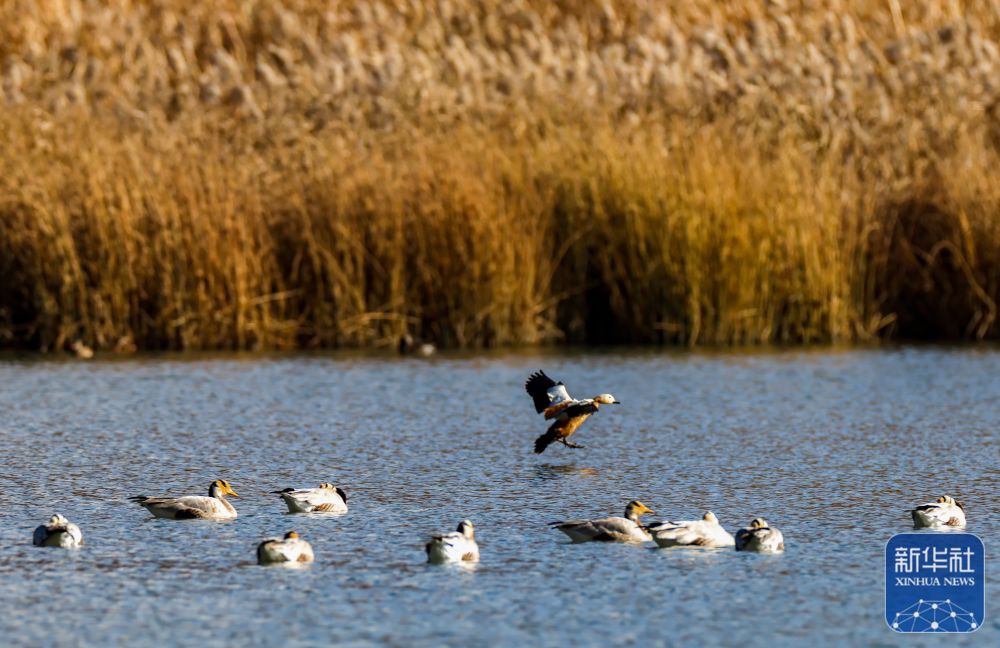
(832, 447)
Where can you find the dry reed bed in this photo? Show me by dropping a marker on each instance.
(484, 172)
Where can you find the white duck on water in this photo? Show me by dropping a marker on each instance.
(945, 512)
(553, 400)
(290, 549)
(193, 507)
(457, 546)
(58, 532)
(760, 537)
(706, 533)
(325, 499)
(610, 529)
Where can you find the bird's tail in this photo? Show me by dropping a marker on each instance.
(543, 441)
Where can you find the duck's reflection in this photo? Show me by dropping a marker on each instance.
(557, 471)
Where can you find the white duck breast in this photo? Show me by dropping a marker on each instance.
(457, 546)
(612, 529)
(706, 533)
(290, 549)
(945, 512)
(325, 499)
(58, 532)
(193, 507)
(760, 537)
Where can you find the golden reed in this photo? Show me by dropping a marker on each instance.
(185, 175)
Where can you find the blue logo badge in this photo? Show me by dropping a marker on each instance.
(935, 582)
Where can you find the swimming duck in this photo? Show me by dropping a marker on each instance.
(290, 549)
(193, 507)
(81, 350)
(760, 537)
(58, 532)
(553, 400)
(945, 512)
(706, 532)
(457, 546)
(410, 346)
(325, 499)
(612, 529)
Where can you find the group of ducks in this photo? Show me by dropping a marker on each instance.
(706, 533)
(327, 498)
(550, 398)
(460, 546)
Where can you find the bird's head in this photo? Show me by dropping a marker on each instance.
(327, 486)
(606, 399)
(465, 528)
(637, 509)
(946, 499)
(710, 517)
(58, 518)
(221, 487)
(758, 523)
(291, 535)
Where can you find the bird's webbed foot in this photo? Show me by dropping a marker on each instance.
(571, 445)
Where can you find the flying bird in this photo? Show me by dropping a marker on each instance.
(552, 399)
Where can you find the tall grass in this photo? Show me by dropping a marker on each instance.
(187, 175)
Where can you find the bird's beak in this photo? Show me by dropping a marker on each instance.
(616, 402)
(233, 493)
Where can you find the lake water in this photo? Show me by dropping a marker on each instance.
(831, 447)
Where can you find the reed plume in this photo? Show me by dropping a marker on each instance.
(300, 174)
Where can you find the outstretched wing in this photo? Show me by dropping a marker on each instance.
(571, 408)
(544, 391)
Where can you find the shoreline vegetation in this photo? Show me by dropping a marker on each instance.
(276, 175)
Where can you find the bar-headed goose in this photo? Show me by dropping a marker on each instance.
(58, 532)
(706, 532)
(761, 537)
(193, 507)
(945, 512)
(290, 549)
(325, 499)
(611, 529)
(552, 400)
(457, 546)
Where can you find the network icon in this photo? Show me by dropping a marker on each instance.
(934, 616)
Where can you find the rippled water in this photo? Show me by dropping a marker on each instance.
(833, 448)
